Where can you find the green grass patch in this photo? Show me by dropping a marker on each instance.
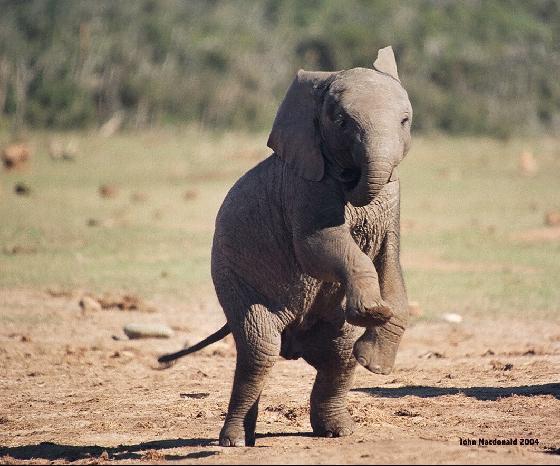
(463, 203)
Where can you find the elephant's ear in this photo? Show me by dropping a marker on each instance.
(386, 62)
(295, 134)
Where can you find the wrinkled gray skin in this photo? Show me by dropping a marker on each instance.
(306, 247)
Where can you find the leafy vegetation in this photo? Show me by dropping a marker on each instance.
(487, 67)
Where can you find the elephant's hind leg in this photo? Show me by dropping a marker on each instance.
(258, 346)
(329, 350)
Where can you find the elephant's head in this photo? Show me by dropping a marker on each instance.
(352, 124)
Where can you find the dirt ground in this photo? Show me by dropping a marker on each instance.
(69, 392)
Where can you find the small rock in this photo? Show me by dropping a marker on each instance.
(406, 413)
(108, 191)
(87, 303)
(452, 317)
(125, 302)
(196, 396)
(60, 151)
(432, 354)
(500, 366)
(527, 163)
(56, 292)
(92, 222)
(121, 354)
(190, 194)
(135, 331)
(414, 309)
(21, 189)
(552, 218)
(15, 155)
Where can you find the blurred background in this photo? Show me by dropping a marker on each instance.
(124, 123)
(477, 67)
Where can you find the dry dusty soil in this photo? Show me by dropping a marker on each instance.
(69, 392)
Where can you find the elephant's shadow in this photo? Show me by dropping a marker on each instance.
(60, 452)
(480, 393)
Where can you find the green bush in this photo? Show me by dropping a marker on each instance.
(470, 67)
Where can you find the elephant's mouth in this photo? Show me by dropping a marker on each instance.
(350, 178)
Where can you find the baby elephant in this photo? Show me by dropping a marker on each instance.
(306, 247)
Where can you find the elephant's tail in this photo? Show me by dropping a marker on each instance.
(216, 336)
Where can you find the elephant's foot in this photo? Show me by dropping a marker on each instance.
(234, 436)
(341, 425)
(364, 305)
(377, 348)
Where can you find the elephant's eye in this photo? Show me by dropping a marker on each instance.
(405, 120)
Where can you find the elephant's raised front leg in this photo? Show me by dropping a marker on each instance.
(325, 250)
(258, 345)
(365, 306)
(329, 350)
(332, 255)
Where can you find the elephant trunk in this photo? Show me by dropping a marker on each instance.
(376, 164)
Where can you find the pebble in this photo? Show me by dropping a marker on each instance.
(108, 191)
(87, 303)
(451, 317)
(527, 163)
(21, 189)
(135, 331)
(552, 218)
